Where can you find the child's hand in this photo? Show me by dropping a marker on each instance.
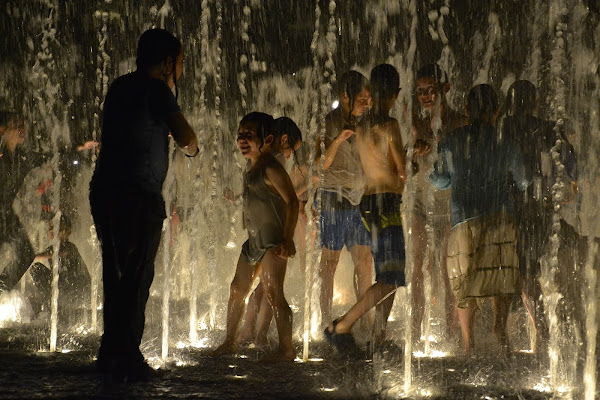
(41, 258)
(344, 135)
(285, 250)
(421, 147)
(228, 194)
(302, 212)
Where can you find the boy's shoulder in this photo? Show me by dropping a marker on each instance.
(378, 121)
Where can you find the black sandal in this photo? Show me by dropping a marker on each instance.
(330, 334)
(343, 342)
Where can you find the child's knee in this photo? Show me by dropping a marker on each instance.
(275, 295)
(239, 288)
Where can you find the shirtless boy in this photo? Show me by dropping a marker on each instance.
(383, 159)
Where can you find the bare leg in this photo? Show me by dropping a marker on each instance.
(329, 262)
(530, 294)
(239, 290)
(501, 307)
(273, 274)
(465, 316)
(382, 313)
(263, 323)
(372, 297)
(419, 247)
(248, 332)
(363, 275)
(450, 304)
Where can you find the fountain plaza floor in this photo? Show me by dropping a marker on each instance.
(26, 372)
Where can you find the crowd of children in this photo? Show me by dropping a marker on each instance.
(463, 174)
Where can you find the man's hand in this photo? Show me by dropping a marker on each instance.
(90, 144)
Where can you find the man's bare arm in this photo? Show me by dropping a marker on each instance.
(182, 132)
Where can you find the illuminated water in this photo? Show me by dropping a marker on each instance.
(282, 57)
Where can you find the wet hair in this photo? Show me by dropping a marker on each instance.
(385, 82)
(433, 71)
(8, 116)
(287, 126)
(154, 46)
(482, 103)
(520, 98)
(264, 123)
(351, 83)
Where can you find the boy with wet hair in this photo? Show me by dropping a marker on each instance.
(479, 167)
(74, 280)
(140, 113)
(341, 190)
(432, 119)
(382, 157)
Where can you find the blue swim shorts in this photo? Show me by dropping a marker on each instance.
(341, 223)
(382, 217)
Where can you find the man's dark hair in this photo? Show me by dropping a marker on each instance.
(433, 71)
(154, 46)
(520, 98)
(385, 82)
(482, 103)
(351, 83)
(264, 123)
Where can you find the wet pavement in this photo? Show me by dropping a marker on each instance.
(28, 373)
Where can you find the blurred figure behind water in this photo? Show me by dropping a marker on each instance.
(73, 276)
(534, 209)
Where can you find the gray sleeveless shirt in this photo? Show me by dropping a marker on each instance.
(264, 215)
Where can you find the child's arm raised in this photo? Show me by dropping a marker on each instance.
(183, 133)
(279, 179)
(397, 149)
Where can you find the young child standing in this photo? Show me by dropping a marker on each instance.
(480, 167)
(74, 280)
(381, 152)
(287, 139)
(270, 215)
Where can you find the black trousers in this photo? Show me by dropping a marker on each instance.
(13, 233)
(129, 228)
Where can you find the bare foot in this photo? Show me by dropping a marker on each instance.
(226, 348)
(260, 342)
(245, 338)
(280, 356)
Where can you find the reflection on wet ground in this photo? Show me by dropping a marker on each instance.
(26, 373)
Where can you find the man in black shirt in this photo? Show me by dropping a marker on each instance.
(126, 193)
